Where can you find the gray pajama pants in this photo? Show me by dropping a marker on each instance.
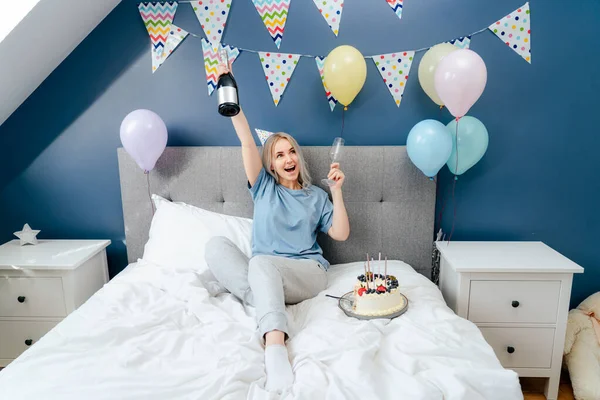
(266, 282)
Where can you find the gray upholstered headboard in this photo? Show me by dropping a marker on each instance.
(390, 203)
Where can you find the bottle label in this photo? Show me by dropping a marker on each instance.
(227, 94)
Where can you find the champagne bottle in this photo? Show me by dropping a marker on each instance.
(227, 92)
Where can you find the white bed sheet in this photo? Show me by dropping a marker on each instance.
(158, 333)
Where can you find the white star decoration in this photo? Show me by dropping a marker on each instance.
(27, 235)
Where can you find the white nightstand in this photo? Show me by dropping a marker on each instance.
(517, 293)
(42, 284)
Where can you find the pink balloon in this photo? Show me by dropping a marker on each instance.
(144, 137)
(459, 80)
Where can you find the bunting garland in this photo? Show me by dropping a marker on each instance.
(165, 37)
(232, 52)
(278, 69)
(211, 61)
(174, 39)
(461, 42)
(515, 31)
(394, 69)
(396, 6)
(274, 15)
(157, 18)
(212, 16)
(321, 65)
(331, 10)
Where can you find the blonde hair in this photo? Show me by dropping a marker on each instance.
(267, 158)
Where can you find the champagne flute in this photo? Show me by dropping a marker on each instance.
(335, 154)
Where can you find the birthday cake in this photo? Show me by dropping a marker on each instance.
(377, 294)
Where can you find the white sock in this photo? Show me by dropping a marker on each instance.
(279, 369)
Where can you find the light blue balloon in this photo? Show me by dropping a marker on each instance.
(472, 144)
(429, 145)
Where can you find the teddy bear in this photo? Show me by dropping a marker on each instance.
(582, 348)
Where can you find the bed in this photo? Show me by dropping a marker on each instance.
(162, 329)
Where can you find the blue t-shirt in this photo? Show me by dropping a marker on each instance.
(286, 221)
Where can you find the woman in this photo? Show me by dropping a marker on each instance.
(287, 264)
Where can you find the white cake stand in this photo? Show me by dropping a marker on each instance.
(347, 300)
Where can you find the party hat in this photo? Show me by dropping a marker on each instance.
(263, 135)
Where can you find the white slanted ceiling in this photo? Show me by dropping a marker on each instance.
(44, 33)
(12, 13)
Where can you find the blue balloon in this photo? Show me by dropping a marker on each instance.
(429, 145)
(472, 144)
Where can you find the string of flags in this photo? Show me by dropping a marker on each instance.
(331, 10)
(321, 66)
(394, 69)
(211, 61)
(274, 15)
(513, 29)
(278, 69)
(212, 16)
(396, 6)
(176, 36)
(158, 18)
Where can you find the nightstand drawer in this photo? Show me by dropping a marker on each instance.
(514, 301)
(32, 297)
(17, 336)
(521, 347)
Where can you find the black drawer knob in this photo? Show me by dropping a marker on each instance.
(29, 342)
(510, 349)
(21, 299)
(515, 304)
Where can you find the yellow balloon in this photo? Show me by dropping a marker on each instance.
(344, 73)
(428, 66)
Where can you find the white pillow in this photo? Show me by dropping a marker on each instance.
(179, 232)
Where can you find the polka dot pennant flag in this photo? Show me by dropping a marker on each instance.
(274, 15)
(396, 6)
(515, 31)
(157, 18)
(212, 15)
(331, 10)
(461, 42)
(176, 36)
(278, 68)
(321, 65)
(263, 135)
(211, 61)
(394, 69)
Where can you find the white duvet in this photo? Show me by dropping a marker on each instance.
(157, 333)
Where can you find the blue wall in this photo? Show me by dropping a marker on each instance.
(537, 181)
